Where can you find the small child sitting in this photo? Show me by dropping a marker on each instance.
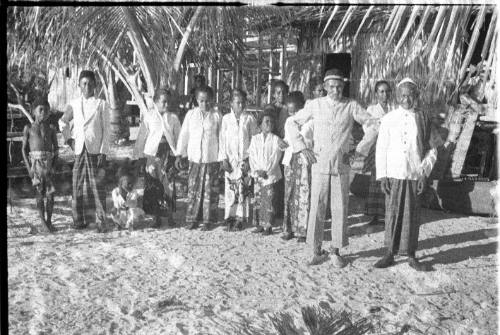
(126, 212)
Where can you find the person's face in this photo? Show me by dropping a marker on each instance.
(334, 89)
(279, 94)
(198, 82)
(318, 91)
(163, 104)
(238, 104)
(41, 113)
(87, 87)
(203, 101)
(383, 94)
(406, 97)
(267, 125)
(291, 107)
(127, 184)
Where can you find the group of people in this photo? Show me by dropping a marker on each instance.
(291, 160)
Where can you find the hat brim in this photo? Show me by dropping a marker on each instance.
(333, 77)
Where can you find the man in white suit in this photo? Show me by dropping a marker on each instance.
(333, 117)
(89, 139)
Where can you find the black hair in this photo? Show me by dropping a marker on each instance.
(87, 74)
(281, 83)
(40, 101)
(297, 98)
(205, 89)
(269, 108)
(162, 91)
(315, 81)
(268, 114)
(238, 93)
(381, 82)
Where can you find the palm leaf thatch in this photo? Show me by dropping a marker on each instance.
(439, 33)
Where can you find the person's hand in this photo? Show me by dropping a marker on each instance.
(282, 144)
(226, 166)
(101, 160)
(178, 163)
(262, 174)
(31, 173)
(421, 183)
(385, 186)
(309, 156)
(71, 143)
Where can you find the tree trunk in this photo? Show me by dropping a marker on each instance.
(183, 44)
(137, 39)
(116, 110)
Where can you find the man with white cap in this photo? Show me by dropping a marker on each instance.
(404, 159)
(333, 117)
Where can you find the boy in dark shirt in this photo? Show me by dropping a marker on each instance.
(40, 151)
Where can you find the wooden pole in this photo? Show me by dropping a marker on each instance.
(219, 86)
(258, 96)
(283, 57)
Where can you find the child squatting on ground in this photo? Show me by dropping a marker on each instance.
(264, 156)
(40, 151)
(126, 212)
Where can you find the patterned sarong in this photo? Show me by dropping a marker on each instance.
(297, 196)
(89, 193)
(402, 216)
(237, 197)
(203, 192)
(41, 166)
(263, 204)
(159, 183)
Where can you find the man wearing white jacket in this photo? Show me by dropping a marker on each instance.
(405, 156)
(89, 139)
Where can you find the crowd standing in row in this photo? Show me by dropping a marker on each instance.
(292, 161)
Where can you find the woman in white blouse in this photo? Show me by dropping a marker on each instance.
(199, 142)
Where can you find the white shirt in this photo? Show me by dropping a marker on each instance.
(265, 154)
(396, 152)
(370, 129)
(199, 136)
(307, 133)
(234, 140)
(157, 126)
(119, 201)
(90, 125)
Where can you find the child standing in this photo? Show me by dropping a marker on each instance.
(41, 139)
(163, 129)
(297, 178)
(126, 213)
(237, 130)
(264, 156)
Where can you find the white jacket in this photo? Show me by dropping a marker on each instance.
(90, 126)
(170, 128)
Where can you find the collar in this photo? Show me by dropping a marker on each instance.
(88, 99)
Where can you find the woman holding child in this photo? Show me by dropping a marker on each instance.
(163, 128)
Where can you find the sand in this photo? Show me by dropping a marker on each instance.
(177, 281)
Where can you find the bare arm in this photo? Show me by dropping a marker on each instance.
(65, 123)
(26, 135)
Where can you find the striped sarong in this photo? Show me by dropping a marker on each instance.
(375, 202)
(41, 166)
(203, 192)
(89, 193)
(402, 217)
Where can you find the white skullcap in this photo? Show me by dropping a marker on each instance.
(407, 80)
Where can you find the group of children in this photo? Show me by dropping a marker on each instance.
(251, 149)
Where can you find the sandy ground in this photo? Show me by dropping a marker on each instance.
(177, 281)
